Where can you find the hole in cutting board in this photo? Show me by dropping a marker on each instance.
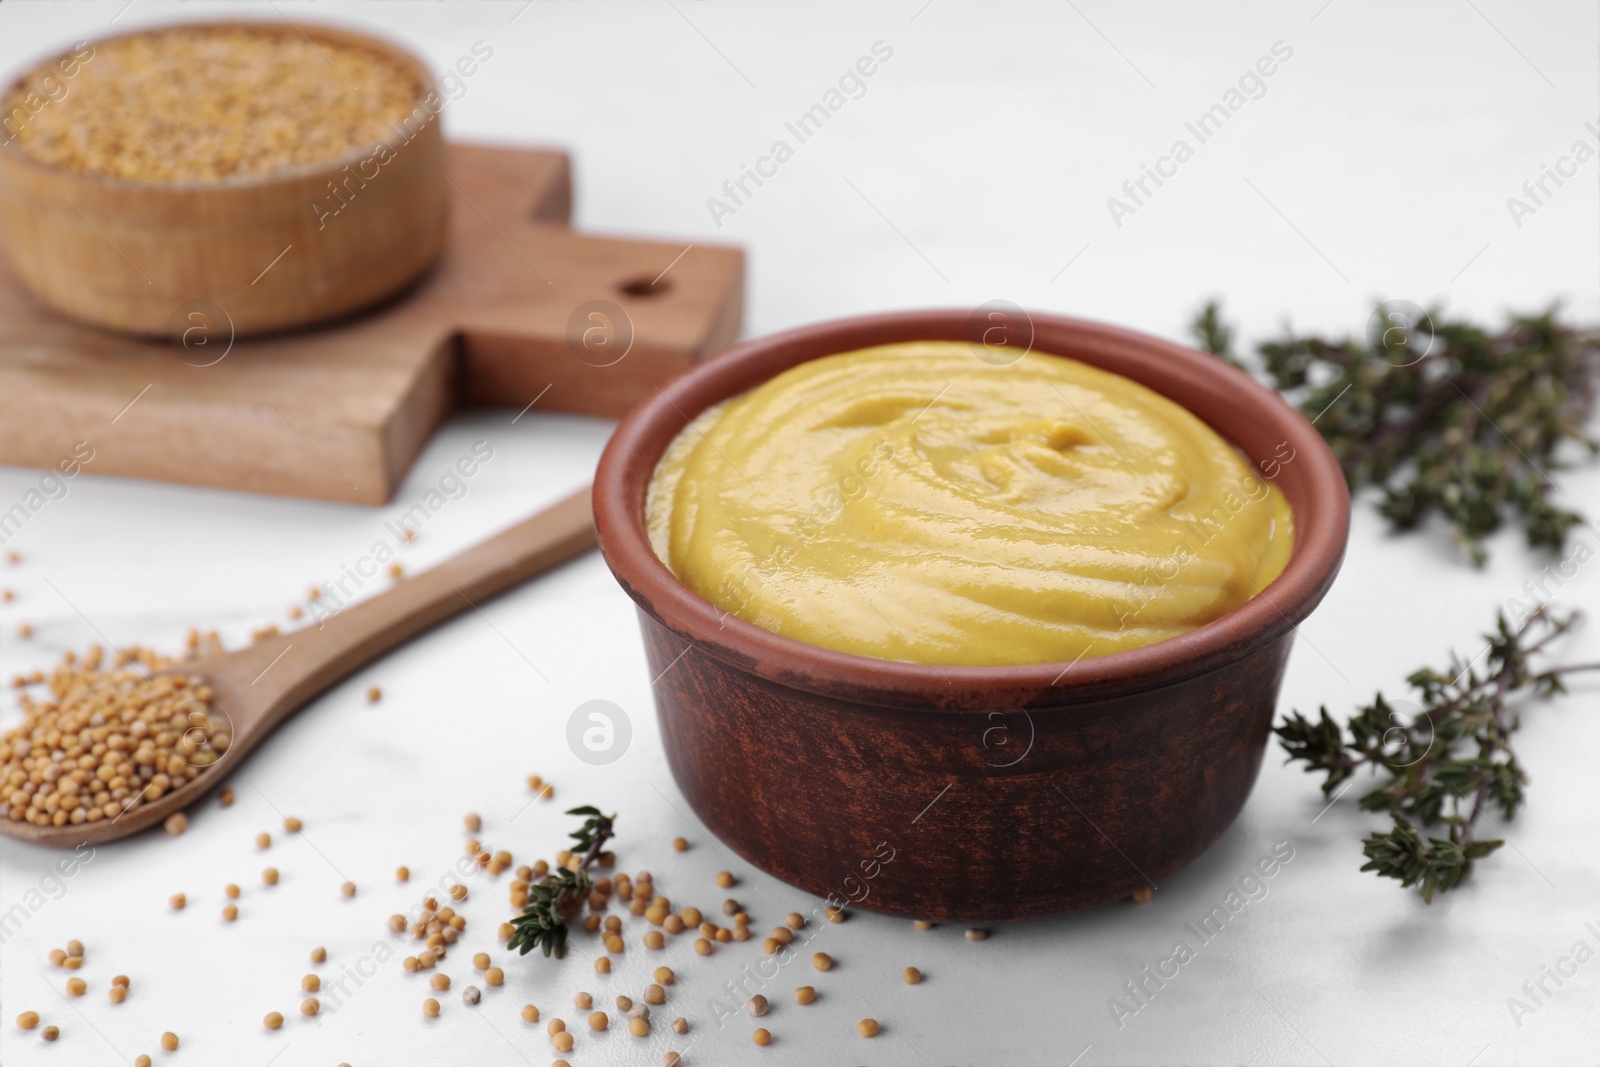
(643, 287)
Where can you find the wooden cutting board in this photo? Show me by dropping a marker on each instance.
(520, 309)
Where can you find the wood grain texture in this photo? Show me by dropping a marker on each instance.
(339, 236)
(259, 687)
(340, 413)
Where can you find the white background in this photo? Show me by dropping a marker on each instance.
(977, 166)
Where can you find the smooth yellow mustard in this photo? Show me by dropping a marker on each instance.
(913, 502)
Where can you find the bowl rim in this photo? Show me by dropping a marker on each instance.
(423, 78)
(635, 448)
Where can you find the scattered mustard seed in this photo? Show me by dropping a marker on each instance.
(319, 954)
(430, 1008)
(530, 1014)
(176, 823)
(762, 1036)
(28, 1020)
(867, 1028)
(822, 961)
(805, 995)
(756, 1005)
(169, 1041)
(912, 976)
(273, 1020)
(725, 880)
(292, 824)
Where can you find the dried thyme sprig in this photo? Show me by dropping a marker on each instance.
(552, 899)
(1444, 417)
(1447, 765)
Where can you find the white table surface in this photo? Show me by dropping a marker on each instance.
(976, 166)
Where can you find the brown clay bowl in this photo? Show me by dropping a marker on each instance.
(972, 794)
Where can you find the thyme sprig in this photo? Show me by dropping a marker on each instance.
(1446, 766)
(1443, 417)
(554, 898)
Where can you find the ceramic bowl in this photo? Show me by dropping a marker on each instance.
(971, 794)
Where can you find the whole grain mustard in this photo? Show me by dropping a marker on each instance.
(913, 502)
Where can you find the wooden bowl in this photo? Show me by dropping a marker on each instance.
(269, 250)
(971, 794)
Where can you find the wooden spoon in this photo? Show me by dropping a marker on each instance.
(259, 687)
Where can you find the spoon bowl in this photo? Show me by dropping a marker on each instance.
(255, 689)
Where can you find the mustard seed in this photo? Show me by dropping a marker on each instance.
(494, 976)
(762, 1037)
(75, 948)
(474, 823)
(58, 956)
(665, 976)
(680, 845)
(481, 961)
(225, 797)
(141, 1060)
(402, 874)
(72, 963)
(440, 981)
(725, 880)
(654, 994)
(922, 924)
(263, 840)
(292, 824)
(680, 1026)
(672, 1059)
(599, 1021)
(319, 954)
(835, 915)
(1142, 895)
(77, 986)
(805, 995)
(118, 994)
(702, 946)
(822, 961)
(977, 934)
(231, 891)
(554, 1027)
(471, 995)
(795, 920)
(169, 1041)
(603, 965)
(311, 983)
(270, 876)
(530, 1014)
(348, 889)
(177, 901)
(273, 1020)
(176, 823)
(639, 1027)
(50, 1033)
(756, 1005)
(28, 1020)
(430, 1008)
(912, 976)
(310, 1006)
(562, 1041)
(374, 695)
(230, 913)
(867, 1028)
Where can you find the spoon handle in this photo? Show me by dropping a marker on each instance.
(295, 667)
